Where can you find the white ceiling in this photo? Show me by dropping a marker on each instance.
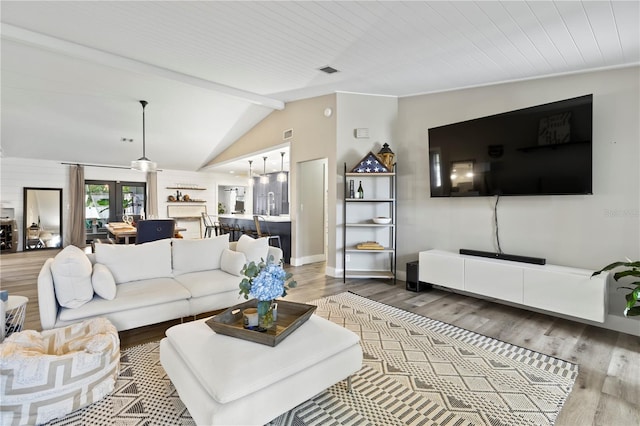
(73, 72)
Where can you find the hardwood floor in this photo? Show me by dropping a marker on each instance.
(606, 392)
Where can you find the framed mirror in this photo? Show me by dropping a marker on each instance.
(42, 218)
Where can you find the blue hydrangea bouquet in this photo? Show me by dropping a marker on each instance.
(265, 282)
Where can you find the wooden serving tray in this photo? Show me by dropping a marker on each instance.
(291, 315)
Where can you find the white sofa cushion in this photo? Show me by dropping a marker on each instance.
(198, 255)
(47, 304)
(129, 262)
(232, 262)
(205, 283)
(71, 270)
(103, 282)
(130, 297)
(255, 250)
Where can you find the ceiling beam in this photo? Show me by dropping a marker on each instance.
(20, 35)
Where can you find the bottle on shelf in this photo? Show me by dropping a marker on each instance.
(360, 191)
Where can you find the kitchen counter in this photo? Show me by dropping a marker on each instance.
(282, 218)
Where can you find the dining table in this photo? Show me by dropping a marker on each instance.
(123, 231)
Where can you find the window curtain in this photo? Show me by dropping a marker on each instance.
(77, 230)
(152, 195)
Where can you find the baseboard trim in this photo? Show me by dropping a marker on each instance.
(333, 272)
(299, 261)
(338, 273)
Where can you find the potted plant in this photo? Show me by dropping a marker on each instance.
(631, 269)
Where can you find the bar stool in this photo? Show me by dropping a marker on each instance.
(224, 228)
(233, 230)
(257, 220)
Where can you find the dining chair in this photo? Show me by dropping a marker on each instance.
(154, 229)
(209, 225)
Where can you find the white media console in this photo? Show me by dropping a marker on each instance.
(567, 291)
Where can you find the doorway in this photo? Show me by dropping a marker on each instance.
(108, 201)
(232, 199)
(312, 228)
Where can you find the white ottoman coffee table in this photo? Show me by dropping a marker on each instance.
(224, 380)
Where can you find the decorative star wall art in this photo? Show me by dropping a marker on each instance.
(371, 163)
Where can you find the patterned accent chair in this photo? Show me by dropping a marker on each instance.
(50, 374)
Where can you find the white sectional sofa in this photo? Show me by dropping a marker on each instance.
(138, 285)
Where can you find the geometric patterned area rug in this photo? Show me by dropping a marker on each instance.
(416, 371)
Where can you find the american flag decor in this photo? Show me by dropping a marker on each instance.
(370, 164)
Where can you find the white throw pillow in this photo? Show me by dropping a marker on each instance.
(103, 282)
(232, 262)
(128, 262)
(198, 255)
(255, 250)
(71, 270)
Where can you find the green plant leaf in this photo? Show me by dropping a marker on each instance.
(632, 312)
(635, 264)
(626, 273)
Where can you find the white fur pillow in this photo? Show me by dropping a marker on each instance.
(71, 270)
(255, 250)
(103, 282)
(128, 262)
(232, 262)
(198, 255)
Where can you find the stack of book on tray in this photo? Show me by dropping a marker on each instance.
(369, 245)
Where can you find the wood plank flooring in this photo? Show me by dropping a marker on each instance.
(606, 392)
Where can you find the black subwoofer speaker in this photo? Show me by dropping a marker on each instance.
(413, 284)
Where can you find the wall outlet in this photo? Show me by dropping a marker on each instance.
(348, 258)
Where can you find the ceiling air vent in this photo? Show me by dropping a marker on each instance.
(287, 134)
(328, 69)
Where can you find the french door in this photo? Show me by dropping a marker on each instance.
(108, 201)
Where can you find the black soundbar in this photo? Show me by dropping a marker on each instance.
(504, 256)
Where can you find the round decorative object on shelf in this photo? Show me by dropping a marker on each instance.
(186, 197)
(171, 198)
(382, 220)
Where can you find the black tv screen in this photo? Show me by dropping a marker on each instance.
(541, 150)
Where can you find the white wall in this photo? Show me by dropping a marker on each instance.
(379, 115)
(584, 231)
(314, 137)
(18, 173)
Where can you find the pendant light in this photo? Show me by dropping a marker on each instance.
(250, 174)
(264, 179)
(143, 163)
(282, 176)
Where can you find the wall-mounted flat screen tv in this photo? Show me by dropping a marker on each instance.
(541, 150)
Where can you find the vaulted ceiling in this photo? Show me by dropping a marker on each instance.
(73, 72)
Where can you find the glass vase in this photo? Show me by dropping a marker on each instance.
(265, 314)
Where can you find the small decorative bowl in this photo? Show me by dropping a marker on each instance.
(382, 220)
